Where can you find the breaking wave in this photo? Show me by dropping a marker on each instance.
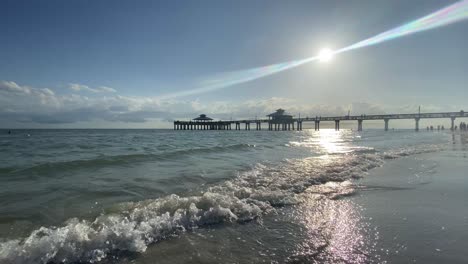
(245, 198)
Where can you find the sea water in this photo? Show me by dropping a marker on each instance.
(164, 196)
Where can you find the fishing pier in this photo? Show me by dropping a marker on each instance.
(279, 120)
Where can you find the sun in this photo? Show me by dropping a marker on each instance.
(325, 55)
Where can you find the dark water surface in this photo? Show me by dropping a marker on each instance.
(163, 196)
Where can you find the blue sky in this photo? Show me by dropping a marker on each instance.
(107, 63)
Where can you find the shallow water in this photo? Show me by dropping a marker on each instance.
(146, 196)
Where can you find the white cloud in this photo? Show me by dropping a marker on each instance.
(81, 87)
(7, 86)
(106, 89)
(78, 87)
(41, 106)
(48, 91)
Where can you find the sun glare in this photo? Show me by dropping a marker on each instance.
(325, 55)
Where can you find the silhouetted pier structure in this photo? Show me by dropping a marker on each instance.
(282, 121)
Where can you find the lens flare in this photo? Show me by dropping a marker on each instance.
(237, 77)
(445, 16)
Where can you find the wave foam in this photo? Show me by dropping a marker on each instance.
(139, 225)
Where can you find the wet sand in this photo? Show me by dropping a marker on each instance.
(419, 205)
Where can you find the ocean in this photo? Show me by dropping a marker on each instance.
(164, 196)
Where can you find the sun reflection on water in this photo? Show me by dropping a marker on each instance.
(335, 229)
(332, 141)
(336, 232)
(329, 142)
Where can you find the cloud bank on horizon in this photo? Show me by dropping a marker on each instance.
(21, 106)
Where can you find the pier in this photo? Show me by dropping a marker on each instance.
(281, 121)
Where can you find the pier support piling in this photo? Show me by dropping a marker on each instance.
(337, 125)
(317, 125)
(386, 124)
(359, 125)
(299, 125)
(417, 124)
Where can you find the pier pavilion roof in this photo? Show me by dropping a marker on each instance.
(203, 117)
(280, 113)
